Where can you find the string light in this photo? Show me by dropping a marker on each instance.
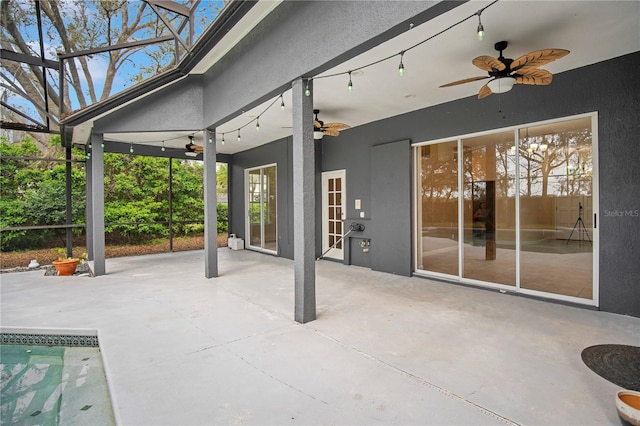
(480, 27)
(401, 67)
(257, 119)
(401, 70)
(163, 148)
(89, 146)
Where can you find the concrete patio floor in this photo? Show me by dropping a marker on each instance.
(182, 349)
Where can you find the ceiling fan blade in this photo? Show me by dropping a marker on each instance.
(317, 124)
(488, 63)
(533, 76)
(538, 58)
(484, 91)
(331, 132)
(198, 148)
(466, 80)
(340, 126)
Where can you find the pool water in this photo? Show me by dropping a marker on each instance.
(44, 385)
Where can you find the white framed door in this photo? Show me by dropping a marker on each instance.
(516, 210)
(261, 200)
(334, 197)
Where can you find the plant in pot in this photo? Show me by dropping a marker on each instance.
(66, 266)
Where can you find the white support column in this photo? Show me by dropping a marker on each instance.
(210, 206)
(304, 196)
(97, 204)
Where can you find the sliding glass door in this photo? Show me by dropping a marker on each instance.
(489, 209)
(556, 208)
(511, 209)
(437, 212)
(261, 219)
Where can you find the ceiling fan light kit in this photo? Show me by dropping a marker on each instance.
(505, 72)
(501, 85)
(192, 150)
(320, 128)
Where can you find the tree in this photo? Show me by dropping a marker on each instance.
(136, 196)
(222, 173)
(33, 193)
(76, 26)
(12, 172)
(188, 195)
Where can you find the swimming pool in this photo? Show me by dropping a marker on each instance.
(50, 384)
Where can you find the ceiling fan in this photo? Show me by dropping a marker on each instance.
(504, 72)
(320, 128)
(192, 149)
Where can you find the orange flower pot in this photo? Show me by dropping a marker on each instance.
(628, 405)
(66, 267)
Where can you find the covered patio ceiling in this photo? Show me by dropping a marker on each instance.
(593, 31)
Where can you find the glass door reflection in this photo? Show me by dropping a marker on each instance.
(489, 252)
(438, 208)
(556, 208)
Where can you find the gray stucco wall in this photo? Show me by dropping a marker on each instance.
(608, 88)
(390, 208)
(176, 107)
(279, 153)
(324, 37)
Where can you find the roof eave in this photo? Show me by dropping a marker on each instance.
(227, 19)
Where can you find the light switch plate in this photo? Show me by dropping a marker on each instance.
(358, 204)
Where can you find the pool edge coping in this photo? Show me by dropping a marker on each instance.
(88, 332)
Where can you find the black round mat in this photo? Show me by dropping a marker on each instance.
(619, 364)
